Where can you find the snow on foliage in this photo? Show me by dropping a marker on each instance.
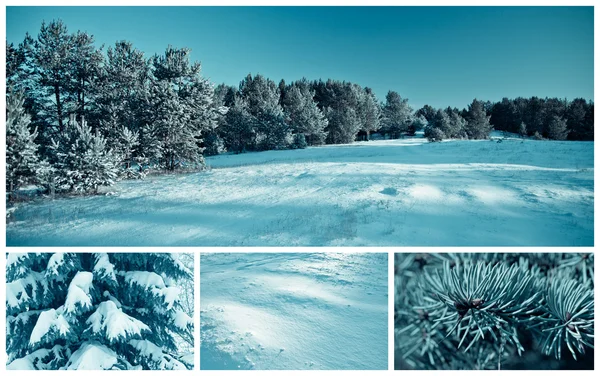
(92, 356)
(50, 321)
(79, 292)
(16, 291)
(182, 320)
(154, 355)
(155, 284)
(81, 310)
(103, 267)
(113, 323)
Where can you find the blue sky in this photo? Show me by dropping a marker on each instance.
(442, 56)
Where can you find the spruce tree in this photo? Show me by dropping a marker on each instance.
(96, 311)
(21, 151)
(237, 127)
(494, 310)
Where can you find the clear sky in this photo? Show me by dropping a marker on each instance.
(442, 56)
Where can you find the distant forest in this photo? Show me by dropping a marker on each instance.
(80, 117)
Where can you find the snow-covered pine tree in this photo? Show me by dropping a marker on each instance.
(96, 311)
(262, 97)
(369, 112)
(21, 151)
(181, 102)
(557, 128)
(305, 118)
(82, 159)
(397, 114)
(478, 122)
(237, 127)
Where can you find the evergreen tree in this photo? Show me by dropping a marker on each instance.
(305, 118)
(96, 311)
(82, 160)
(523, 130)
(478, 122)
(53, 54)
(397, 115)
(369, 112)
(494, 311)
(237, 127)
(21, 150)
(262, 98)
(557, 128)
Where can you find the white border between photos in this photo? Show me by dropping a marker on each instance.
(198, 250)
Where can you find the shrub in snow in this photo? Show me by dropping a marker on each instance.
(96, 311)
(494, 311)
(434, 134)
(299, 141)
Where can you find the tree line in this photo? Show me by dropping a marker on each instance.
(80, 117)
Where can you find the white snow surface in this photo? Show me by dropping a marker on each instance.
(92, 356)
(49, 321)
(294, 311)
(114, 323)
(377, 193)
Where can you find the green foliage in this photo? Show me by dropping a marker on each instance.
(489, 311)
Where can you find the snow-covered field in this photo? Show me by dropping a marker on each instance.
(293, 311)
(389, 192)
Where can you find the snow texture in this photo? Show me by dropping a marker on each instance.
(16, 291)
(405, 192)
(114, 323)
(294, 311)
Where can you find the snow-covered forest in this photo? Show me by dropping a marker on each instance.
(81, 117)
(275, 163)
(99, 311)
(310, 311)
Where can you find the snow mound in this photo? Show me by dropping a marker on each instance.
(114, 323)
(50, 321)
(79, 292)
(92, 356)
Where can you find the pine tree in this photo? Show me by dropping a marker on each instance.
(21, 151)
(96, 311)
(494, 310)
(523, 130)
(369, 112)
(82, 159)
(238, 128)
(397, 115)
(305, 118)
(557, 128)
(262, 97)
(478, 122)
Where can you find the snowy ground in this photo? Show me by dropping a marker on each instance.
(293, 311)
(389, 192)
